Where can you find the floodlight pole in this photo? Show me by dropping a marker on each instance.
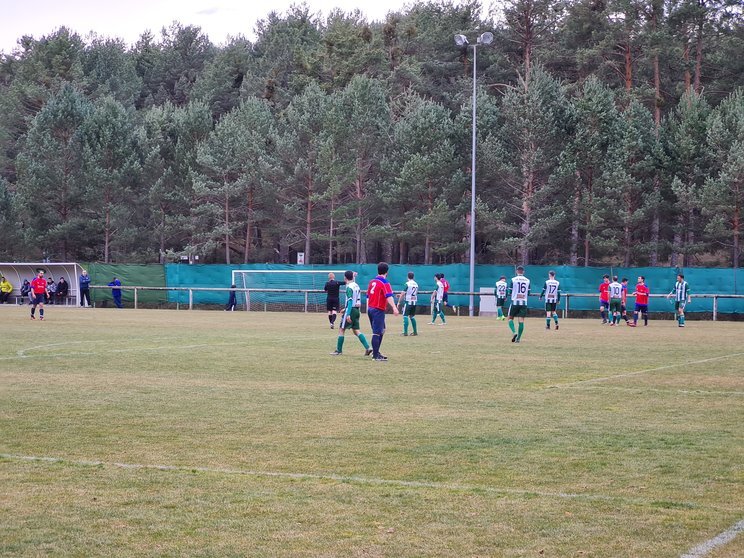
(471, 308)
(462, 41)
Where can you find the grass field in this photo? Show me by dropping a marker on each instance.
(236, 434)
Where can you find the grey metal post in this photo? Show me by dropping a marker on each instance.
(471, 309)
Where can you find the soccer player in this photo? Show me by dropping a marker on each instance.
(681, 292)
(445, 296)
(604, 298)
(40, 292)
(437, 308)
(332, 288)
(520, 290)
(615, 291)
(500, 292)
(379, 296)
(624, 301)
(350, 317)
(552, 293)
(641, 302)
(409, 309)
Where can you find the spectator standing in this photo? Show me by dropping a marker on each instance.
(231, 300)
(116, 291)
(5, 289)
(84, 282)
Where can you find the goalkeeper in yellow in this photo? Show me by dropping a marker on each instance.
(350, 317)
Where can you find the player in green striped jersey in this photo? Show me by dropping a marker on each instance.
(500, 292)
(409, 309)
(350, 317)
(681, 293)
(437, 304)
(552, 293)
(520, 290)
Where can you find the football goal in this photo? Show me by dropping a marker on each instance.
(283, 290)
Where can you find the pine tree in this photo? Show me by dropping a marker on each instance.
(51, 189)
(723, 193)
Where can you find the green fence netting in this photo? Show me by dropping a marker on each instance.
(130, 275)
(574, 280)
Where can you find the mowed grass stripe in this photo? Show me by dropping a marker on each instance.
(402, 483)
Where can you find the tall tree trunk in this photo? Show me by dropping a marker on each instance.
(686, 59)
(107, 235)
(162, 235)
(227, 229)
(402, 252)
(308, 218)
(677, 255)
(574, 251)
(387, 250)
(655, 227)
(588, 219)
(526, 227)
(361, 247)
(330, 233)
(248, 227)
(698, 56)
(628, 55)
(737, 231)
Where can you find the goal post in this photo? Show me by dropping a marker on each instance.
(268, 290)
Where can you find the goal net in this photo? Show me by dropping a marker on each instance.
(283, 290)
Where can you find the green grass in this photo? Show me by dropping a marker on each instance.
(236, 434)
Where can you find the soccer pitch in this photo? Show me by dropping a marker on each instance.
(177, 433)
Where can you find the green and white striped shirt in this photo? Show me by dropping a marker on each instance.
(681, 291)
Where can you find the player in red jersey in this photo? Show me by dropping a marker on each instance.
(379, 296)
(604, 298)
(446, 285)
(641, 302)
(39, 293)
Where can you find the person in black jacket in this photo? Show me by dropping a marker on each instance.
(332, 288)
(63, 289)
(231, 300)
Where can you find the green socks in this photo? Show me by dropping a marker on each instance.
(520, 330)
(340, 343)
(405, 325)
(413, 323)
(363, 341)
(511, 326)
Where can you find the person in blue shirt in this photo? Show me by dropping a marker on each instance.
(84, 282)
(116, 292)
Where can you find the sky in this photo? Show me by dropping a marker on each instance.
(128, 19)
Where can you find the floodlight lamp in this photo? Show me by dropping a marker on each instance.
(486, 38)
(461, 40)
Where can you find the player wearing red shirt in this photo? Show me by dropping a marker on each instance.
(446, 285)
(641, 303)
(604, 298)
(39, 290)
(379, 296)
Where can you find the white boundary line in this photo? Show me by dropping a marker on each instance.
(22, 356)
(638, 372)
(719, 540)
(658, 390)
(338, 478)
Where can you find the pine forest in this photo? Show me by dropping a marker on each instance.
(608, 132)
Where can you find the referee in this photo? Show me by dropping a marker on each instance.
(332, 288)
